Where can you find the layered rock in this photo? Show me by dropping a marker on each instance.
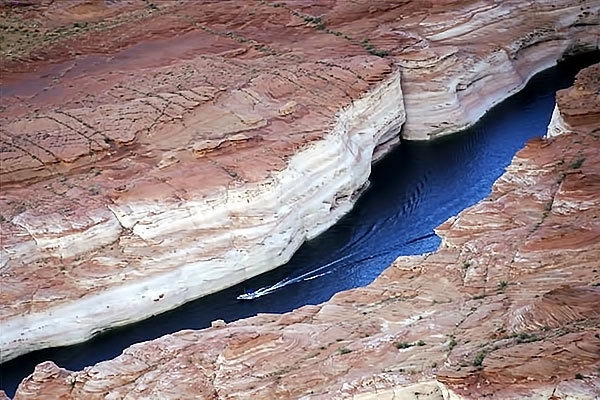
(205, 173)
(505, 309)
(457, 78)
(156, 152)
(578, 108)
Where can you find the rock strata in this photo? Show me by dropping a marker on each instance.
(577, 107)
(132, 183)
(505, 309)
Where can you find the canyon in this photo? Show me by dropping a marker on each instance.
(133, 183)
(506, 308)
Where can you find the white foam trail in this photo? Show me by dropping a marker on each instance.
(285, 282)
(310, 278)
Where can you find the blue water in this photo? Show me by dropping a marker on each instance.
(413, 189)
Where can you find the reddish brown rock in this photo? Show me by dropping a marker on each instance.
(577, 107)
(120, 166)
(505, 309)
(155, 152)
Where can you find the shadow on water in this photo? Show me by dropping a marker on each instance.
(414, 189)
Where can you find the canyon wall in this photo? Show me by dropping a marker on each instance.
(577, 106)
(132, 182)
(475, 57)
(506, 308)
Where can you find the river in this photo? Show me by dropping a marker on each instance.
(413, 189)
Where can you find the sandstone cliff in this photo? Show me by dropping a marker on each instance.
(155, 152)
(507, 308)
(577, 107)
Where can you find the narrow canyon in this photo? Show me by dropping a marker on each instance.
(157, 152)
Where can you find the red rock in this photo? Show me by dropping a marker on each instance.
(505, 309)
(152, 155)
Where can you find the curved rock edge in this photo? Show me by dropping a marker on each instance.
(244, 342)
(331, 173)
(36, 324)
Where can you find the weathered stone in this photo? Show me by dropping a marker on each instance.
(153, 153)
(578, 107)
(525, 325)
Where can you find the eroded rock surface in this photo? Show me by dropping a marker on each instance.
(507, 308)
(155, 152)
(578, 107)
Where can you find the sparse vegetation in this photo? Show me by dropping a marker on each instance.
(151, 5)
(577, 163)
(344, 350)
(452, 343)
(479, 359)
(526, 338)
(373, 50)
(316, 21)
(502, 285)
(406, 345)
(579, 376)
(21, 37)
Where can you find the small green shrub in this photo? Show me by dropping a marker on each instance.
(373, 50)
(479, 359)
(577, 163)
(526, 338)
(452, 344)
(501, 286)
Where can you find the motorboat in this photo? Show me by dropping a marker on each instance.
(251, 294)
(310, 275)
(255, 294)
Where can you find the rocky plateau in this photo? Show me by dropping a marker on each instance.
(156, 152)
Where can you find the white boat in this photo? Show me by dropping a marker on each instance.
(251, 294)
(255, 294)
(310, 275)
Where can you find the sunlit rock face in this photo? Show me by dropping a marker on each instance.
(578, 107)
(133, 184)
(506, 308)
(469, 58)
(157, 152)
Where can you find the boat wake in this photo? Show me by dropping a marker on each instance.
(315, 273)
(318, 272)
